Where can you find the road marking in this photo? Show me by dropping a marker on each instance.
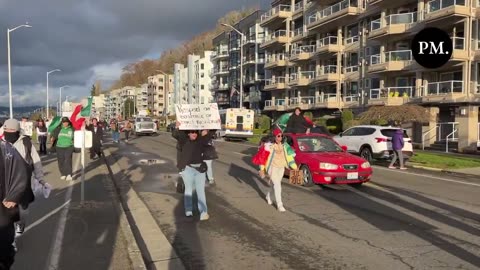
(53, 212)
(429, 176)
(241, 154)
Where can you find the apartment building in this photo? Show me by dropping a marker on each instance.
(160, 90)
(115, 101)
(202, 82)
(328, 55)
(98, 106)
(227, 62)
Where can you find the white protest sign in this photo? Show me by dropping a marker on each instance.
(198, 116)
(78, 137)
(26, 128)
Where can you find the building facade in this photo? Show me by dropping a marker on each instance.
(202, 82)
(160, 89)
(324, 56)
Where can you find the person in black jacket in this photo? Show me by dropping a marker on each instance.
(177, 134)
(97, 134)
(297, 123)
(209, 155)
(53, 139)
(13, 185)
(193, 167)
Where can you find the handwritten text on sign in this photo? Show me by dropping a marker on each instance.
(198, 116)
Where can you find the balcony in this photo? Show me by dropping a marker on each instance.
(351, 72)
(391, 96)
(220, 87)
(352, 43)
(305, 103)
(276, 15)
(459, 53)
(330, 101)
(442, 9)
(298, 8)
(279, 37)
(328, 45)
(277, 60)
(394, 24)
(276, 83)
(393, 61)
(351, 99)
(221, 55)
(221, 71)
(279, 105)
(303, 78)
(328, 74)
(339, 13)
(443, 91)
(299, 34)
(302, 53)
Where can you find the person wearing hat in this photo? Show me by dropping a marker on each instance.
(65, 149)
(280, 156)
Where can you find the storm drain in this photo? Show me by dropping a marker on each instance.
(151, 161)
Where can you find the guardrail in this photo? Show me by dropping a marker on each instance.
(445, 87)
(436, 5)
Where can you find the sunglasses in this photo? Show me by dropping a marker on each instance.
(279, 136)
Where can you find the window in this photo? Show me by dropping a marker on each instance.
(202, 87)
(202, 66)
(350, 132)
(389, 132)
(318, 144)
(365, 131)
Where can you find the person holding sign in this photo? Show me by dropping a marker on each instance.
(65, 149)
(193, 167)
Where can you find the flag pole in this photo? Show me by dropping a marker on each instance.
(82, 192)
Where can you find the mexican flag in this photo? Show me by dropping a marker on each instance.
(87, 110)
(56, 121)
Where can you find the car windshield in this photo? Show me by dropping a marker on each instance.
(318, 144)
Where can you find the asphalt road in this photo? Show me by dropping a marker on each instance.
(400, 220)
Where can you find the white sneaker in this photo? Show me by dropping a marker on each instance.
(189, 214)
(204, 216)
(69, 178)
(63, 177)
(281, 208)
(19, 228)
(269, 201)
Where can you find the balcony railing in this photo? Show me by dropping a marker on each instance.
(396, 91)
(376, 24)
(276, 80)
(332, 10)
(293, 101)
(375, 59)
(304, 49)
(279, 102)
(402, 18)
(352, 98)
(298, 6)
(274, 11)
(330, 69)
(277, 34)
(402, 55)
(444, 88)
(351, 69)
(327, 41)
(326, 98)
(458, 43)
(307, 74)
(307, 100)
(352, 40)
(298, 32)
(436, 5)
(268, 103)
(275, 58)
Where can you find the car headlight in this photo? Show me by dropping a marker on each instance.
(328, 166)
(366, 165)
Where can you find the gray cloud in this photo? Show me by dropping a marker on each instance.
(89, 38)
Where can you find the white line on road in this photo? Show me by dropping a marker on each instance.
(241, 154)
(429, 176)
(53, 212)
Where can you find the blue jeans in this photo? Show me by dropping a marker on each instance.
(193, 178)
(116, 135)
(210, 169)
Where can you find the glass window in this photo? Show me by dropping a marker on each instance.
(318, 144)
(350, 132)
(389, 132)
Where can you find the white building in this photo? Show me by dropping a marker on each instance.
(98, 106)
(160, 94)
(180, 84)
(203, 67)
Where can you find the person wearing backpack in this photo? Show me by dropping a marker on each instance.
(23, 145)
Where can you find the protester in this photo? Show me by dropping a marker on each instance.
(54, 139)
(127, 129)
(97, 138)
(42, 133)
(177, 134)
(397, 146)
(279, 156)
(297, 123)
(210, 154)
(65, 149)
(14, 181)
(115, 131)
(194, 168)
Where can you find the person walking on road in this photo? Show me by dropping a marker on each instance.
(115, 131)
(97, 134)
(65, 148)
(177, 134)
(193, 168)
(279, 156)
(209, 155)
(14, 181)
(127, 129)
(42, 133)
(397, 146)
(297, 123)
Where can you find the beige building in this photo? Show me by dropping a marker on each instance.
(160, 94)
(328, 55)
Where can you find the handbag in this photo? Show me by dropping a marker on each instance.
(296, 177)
(180, 186)
(202, 168)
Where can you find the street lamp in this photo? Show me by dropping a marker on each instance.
(60, 98)
(10, 67)
(48, 74)
(242, 36)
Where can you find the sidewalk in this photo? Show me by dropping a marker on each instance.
(63, 233)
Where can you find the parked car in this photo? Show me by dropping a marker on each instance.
(324, 161)
(373, 142)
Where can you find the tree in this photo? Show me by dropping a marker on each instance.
(93, 90)
(347, 118)
(395, 114)
(128, 108)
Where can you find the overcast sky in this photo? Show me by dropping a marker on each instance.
(93, 39)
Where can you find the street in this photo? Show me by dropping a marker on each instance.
(400, 220)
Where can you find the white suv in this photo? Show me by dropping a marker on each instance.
(373, 142)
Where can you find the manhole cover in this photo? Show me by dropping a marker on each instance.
(151, 161)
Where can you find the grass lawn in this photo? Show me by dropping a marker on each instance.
(444, 161)
(257, 135)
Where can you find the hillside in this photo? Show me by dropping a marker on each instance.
(137, 73)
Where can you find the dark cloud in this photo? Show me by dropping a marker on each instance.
(88, 38)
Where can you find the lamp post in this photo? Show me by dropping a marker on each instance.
(242, 37)
(10, 66)
(48, 74)
(60, 98)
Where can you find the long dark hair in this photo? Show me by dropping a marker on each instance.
(42, 128)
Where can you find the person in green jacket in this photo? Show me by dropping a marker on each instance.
(65, 149)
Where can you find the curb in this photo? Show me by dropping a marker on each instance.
(441, 170)
(155, 249)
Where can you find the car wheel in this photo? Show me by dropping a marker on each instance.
(366, 153)
(307, 176)
(356, 185)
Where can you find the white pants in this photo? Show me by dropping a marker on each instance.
(276, 175)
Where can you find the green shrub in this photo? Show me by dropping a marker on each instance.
(347, 118)
(320, 121)
(333, 129)
(335, 122)
(264, 122)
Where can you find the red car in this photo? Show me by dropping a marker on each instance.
(325, 162)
